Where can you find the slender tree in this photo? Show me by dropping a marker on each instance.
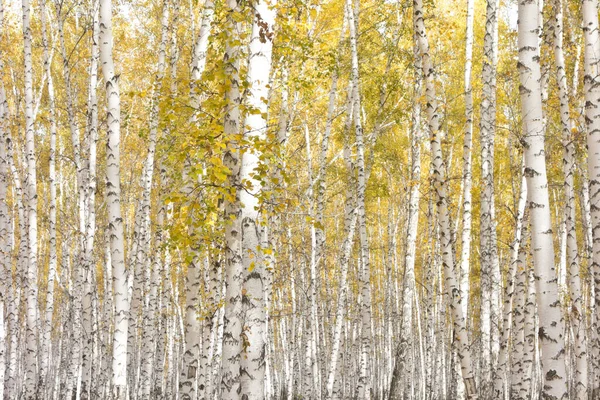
(467, 178)
(580, 346)
(441, 188)
(234, 268)
(550, 317)
(364, 377)
(5, 264)
(406, 332)
(490, 268)
(592, 118)
(113, 198)
(30, 366)
(148, 334)
(46, 344)
(254, 259)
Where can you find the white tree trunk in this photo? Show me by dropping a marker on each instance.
(113, 197)
(592, 114)
(365, 372)
(440, 188)
(490, 272)
(144, 258)
(31, 350)
(90, 320)
(397, 391)
(346, 254)
(467, 177)
(5, 223)
(318, 201)
(200, 51)
(81, 312)
(502, 386)
(256, 279)
(312, 387)
(572, 257)
(189, 371)
(2, 346)
(234, 268)
(15, 325)
(46, 344)
(520, 389)
(551, 320)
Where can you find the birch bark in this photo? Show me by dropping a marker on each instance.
(350, 218)
(113, 197)
(5, 237)
(522, 314)
(192, 350)
(234, 268)
(364, 377)
(490, 269)
(572, 257)
(200, 51)
(31, 351)
(80, 349)
(189, 371)
(406, 331)
(592, 117)
(147, 356)
(91, 320)
(319, 206)
(502, 387)
(550, 318)
(14, 380)
(255, 132)
(440, 188)
(46, 344)
(6, 243)
(467, 165)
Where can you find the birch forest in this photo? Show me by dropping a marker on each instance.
(299, 199)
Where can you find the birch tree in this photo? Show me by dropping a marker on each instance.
(147, 182)
(90, 296)
(364, 384)
(523, 320)
(234, 268)
(581, 362)
(550, 317)
(31, 192)
(592, 118)
(5, 264)
(490, 269)
(396, 389)
(440, 187)
(46, 344)
(200, 51)
(255, 263)
(190, 367)
(113, 198)
(467, 178)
